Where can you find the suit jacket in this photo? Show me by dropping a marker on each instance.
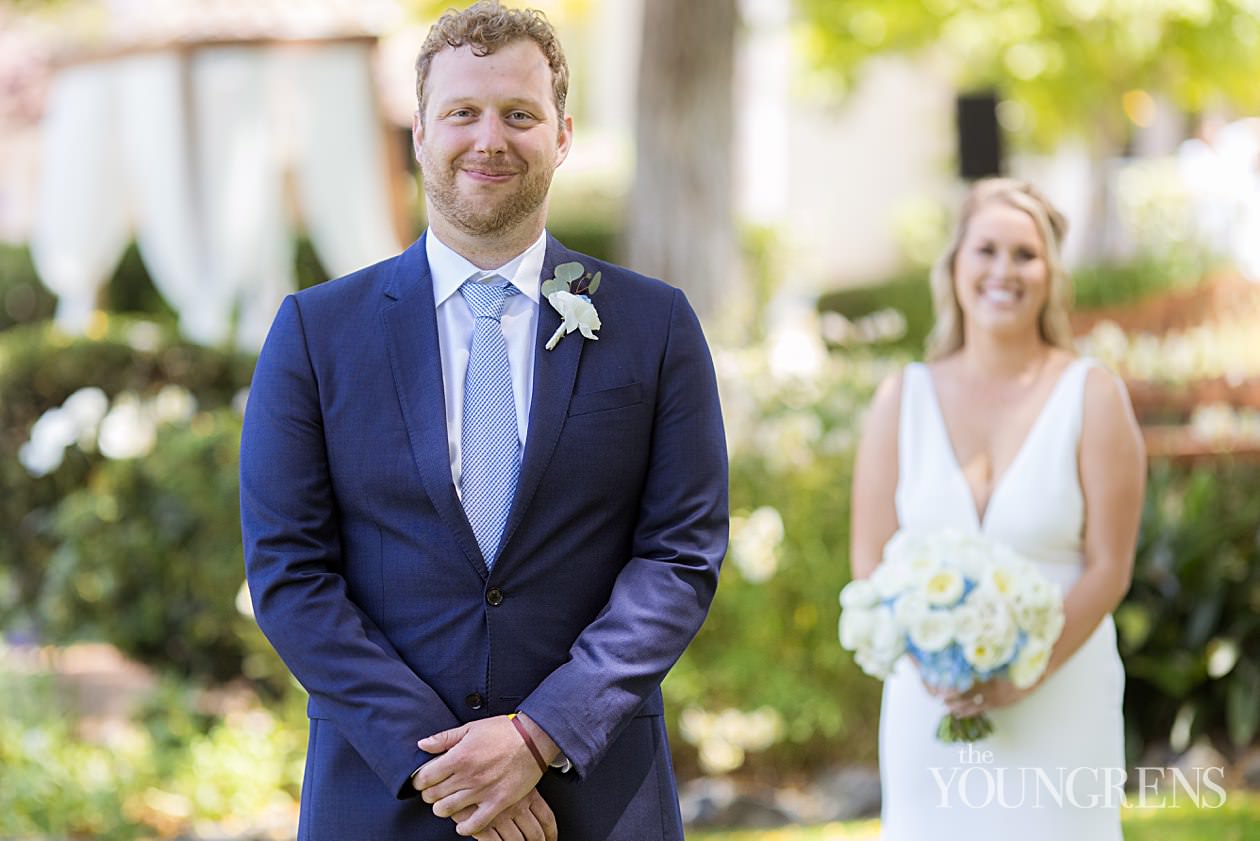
(367, 579)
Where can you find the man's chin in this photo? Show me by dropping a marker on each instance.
(484, 221)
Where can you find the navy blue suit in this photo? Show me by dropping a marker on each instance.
(367, 579)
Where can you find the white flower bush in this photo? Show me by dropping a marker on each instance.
(724, 738)
(125, 429)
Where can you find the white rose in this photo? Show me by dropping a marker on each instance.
(578, 314)
(967, 623)
(876, 667)
(985, 655)
(1030, 664)
(858, 593)
(856, 627)
(916, 553)
(1034, 590)
(890, 579)
(988, 605)
(943, 588)
(1043, 622)
(912, 607)
(933, 631)
(995, 640)
(887, 643)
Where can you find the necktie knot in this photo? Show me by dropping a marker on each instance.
(486, 297)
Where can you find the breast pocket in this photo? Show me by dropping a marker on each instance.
(606, 399)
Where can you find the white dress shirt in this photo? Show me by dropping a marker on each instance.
(455, 325)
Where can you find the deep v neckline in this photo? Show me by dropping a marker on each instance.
(979, 517)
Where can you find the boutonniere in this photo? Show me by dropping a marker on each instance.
(569, 293)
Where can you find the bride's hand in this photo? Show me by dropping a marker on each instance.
(989, 695)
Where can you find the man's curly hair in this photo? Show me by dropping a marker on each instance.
(485, 26)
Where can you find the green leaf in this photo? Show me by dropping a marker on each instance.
(1134, 624)
(554, 285)
(1242, 704)
(569, 272)
(594, 284)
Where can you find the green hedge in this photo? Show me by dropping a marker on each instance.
(23, 299)
(1190, 626)
(143, 552)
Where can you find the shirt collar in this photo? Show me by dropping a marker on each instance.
(449, 269)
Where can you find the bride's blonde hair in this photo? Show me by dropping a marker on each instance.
(947, 333)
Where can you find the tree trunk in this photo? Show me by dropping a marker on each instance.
(681, 221)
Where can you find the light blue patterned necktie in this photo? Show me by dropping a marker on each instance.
(491, 453)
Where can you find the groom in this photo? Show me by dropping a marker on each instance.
(480, 541)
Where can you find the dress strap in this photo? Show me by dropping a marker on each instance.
(1072, 403)
(915, 408)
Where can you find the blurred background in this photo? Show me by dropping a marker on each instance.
(170, 169)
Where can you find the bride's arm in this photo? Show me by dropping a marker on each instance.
(873, 512)
(1113, 481)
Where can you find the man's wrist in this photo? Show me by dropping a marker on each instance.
(529, 742)
(547, 749)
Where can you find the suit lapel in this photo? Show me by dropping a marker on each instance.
(409, 319)
(555, 372)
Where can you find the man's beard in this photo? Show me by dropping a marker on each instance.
(482, 216)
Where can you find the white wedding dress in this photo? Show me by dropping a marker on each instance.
(1053, 768)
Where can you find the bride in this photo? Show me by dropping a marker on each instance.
(1007, 432)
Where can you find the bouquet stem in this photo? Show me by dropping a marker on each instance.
(971, 728)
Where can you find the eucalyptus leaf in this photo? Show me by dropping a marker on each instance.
(594, 284)
(569, 272)
(554, 285)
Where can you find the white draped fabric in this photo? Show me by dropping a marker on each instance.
(249, 251)
(156, 156)
(342, 192)
(81, 227)
(190, 151)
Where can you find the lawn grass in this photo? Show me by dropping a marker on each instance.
(1238, 819)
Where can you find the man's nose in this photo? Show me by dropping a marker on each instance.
(491, 137)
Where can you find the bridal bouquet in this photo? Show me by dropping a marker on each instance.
(966, 609)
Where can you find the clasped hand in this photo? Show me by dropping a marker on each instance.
(989, 695)
(483, 777)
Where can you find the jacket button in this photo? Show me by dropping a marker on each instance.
(474, 700)
(494, 597)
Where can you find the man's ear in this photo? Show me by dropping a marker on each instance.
(565, 141)
(417, 134)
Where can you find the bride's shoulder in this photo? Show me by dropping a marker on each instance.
(1107, 414)
(1102, 385)
(885, 406)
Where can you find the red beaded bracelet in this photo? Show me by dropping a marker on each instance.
(529, 742)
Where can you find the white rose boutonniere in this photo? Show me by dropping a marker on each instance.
(569, 293)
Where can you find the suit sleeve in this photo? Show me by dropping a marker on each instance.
(662, 595)
(293, 560)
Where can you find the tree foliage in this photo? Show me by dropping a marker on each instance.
(1065, 66)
